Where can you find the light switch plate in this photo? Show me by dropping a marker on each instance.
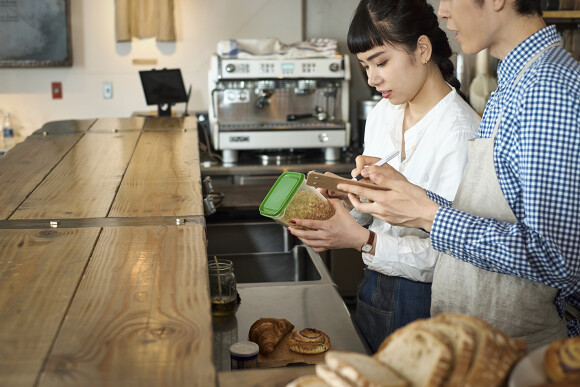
(107, 90)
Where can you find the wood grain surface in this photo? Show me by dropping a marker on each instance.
(141, 314)
(283, 356)
(27, 165)
(84, 183)
(163, 177)
(272, 377)
(94, 299)
(37, 280)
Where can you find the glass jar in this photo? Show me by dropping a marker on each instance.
(222, 285)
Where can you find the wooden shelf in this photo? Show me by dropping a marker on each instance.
(561, 14)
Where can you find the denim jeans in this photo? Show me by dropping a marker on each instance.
(385, 304)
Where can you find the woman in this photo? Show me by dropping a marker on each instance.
(422, 116)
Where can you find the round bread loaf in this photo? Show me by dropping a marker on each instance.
(309, 341)
(562, 360)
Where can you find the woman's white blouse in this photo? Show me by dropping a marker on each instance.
(436, 155)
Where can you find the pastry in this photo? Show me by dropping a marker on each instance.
(495, 353)
(562, 360)
(308, 381)
(418, 355)
(361, 370)
(268, 332)
(309, 341)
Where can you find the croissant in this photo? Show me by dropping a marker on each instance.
(562, 360)
(268, 332)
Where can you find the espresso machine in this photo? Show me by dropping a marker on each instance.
(279, 104)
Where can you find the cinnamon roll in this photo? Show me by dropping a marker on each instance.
(309, 341)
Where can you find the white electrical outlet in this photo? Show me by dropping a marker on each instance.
(107, 90)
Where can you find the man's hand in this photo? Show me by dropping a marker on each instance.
(404, 204)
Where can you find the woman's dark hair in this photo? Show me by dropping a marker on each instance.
(401, 23)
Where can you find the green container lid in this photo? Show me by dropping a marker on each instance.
(281, 193)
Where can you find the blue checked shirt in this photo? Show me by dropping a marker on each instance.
(537, 161)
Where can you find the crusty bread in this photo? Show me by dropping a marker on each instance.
(332, 378)
(268, 332)
(418, 355)
(562, 360)
(495, 353)
(309, 341)
(363, 370)
(461, 340)
(308, 381)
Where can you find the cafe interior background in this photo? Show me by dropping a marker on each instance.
(99, 60)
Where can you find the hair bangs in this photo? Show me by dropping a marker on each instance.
(363, 34)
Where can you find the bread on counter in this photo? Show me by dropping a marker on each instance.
(562, 361)
(309, 340)
(419, 355)
(308, 381)
(362, 370)
(446, 350)
(268, 332)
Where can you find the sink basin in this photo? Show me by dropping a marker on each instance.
(248, 237)
(299, 264)
(264, 252)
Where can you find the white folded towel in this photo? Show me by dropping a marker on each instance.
(271, 48)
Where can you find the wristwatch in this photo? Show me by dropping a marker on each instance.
(368, 245)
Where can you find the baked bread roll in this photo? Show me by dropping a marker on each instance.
(268, 332)
(362, 370)
(562, 360)
(308, 381)
(309, 341)
(418, 355)
(460, 338)
(495, 353)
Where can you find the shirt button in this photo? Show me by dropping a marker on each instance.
(414, 147)
(448, 252)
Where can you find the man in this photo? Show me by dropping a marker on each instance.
(510, 241)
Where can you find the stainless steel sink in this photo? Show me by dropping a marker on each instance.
(248, 237)
(264, 253)
(299, 264)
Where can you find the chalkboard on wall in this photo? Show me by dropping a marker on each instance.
(35, 33)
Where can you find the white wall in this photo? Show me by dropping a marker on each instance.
(97, 57)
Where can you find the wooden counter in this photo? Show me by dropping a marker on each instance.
(103, 275)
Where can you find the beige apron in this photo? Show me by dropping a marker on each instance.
(520, 307)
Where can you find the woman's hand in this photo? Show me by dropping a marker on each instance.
(339, 232)
(403, 204)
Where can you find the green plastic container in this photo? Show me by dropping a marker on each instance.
(291, 198)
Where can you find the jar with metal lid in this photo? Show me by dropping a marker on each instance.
(223, 290)
(243, 355)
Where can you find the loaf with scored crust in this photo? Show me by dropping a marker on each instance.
(363, 370)
(418, 355)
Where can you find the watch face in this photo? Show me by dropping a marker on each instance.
(367, 247)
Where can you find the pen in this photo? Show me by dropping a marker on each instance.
(381, 162)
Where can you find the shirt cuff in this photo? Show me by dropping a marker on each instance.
(438, 199)
(448, 230)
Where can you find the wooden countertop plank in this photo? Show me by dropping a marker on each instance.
(163, 178)
(118, 124)
(25, 166)
(85, 182)
(141, 315)
(39, 273)
(66, 126)
(170, 123)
